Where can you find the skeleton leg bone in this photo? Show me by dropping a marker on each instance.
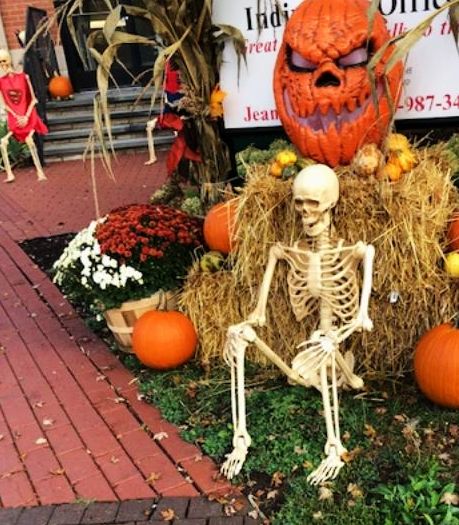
(6, 161)
(35, 158)
(239, 337)
(151, 124)
(332, 464)
(234, 354)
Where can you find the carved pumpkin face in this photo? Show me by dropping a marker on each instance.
(321, 84)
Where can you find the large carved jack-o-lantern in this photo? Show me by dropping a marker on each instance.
(321, 82)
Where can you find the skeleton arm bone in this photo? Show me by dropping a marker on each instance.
(258, 316)
(362, 321)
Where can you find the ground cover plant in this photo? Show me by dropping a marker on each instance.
(402, 460)
(403, 455)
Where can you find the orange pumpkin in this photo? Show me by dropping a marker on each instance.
(219, 226)
(321, 85)
(60, 87)
(436, 365)
(453, 232)
(164, 340)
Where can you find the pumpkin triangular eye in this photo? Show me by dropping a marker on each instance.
(299, 63)
(358, 57)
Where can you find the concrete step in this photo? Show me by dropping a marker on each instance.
(83, 132)
(85, 98)
(63, 150)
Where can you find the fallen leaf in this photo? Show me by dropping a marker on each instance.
(444, 457)
(325, 494)
(39, 404)
(197, 459)
(2, 437)
(57, 472)
(47, 422)
(160, 435)
(354, 490)
(192, 389)
(277, 479)
(119, 400)
(272, 494)
(349, 456)
(316, 516)
(369, 431)
(101, 377)
(154, 476)
(454, 431)
(449, 498)
(140, 397)
(114, 460)
(168, 514)
(400, 418)
(253, 514)
(41, 441)
(299, 450)
(380, 410)
(346, 436)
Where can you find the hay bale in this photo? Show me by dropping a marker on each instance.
(404, 221)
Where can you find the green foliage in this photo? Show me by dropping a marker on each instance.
(253, 155)
(423, 499)
(393, 437)
(18, 152)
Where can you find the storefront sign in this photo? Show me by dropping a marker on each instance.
(431, 85)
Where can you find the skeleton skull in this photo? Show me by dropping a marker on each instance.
(5, 61)
(315, 193)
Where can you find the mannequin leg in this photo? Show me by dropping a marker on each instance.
(6, 161)
(36, 160)
(151, 145)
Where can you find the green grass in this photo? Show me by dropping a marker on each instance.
(403, 451)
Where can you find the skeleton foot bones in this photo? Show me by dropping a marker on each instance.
(322, 278)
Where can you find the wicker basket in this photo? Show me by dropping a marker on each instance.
(121, 320)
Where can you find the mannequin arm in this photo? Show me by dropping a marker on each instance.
(258, 316)
(33, 98)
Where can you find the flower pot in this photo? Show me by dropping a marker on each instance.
(121, 320)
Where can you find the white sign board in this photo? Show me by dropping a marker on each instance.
(431, 86)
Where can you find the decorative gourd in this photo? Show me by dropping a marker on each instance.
(367, 161)
(453, 232)
(436, 365)
(322, 87)
(219, 226)
(164, 340)
(60, 87)
(452, 264)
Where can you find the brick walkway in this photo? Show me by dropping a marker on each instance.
(71, 424)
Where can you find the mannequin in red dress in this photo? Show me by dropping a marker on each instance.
(18, 99)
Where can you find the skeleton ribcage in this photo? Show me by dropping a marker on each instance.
(331, 279)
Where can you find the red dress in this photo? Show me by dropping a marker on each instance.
(16, 93)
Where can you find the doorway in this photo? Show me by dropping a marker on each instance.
(134, 60)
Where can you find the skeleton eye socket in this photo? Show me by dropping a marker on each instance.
(358, 57)
(310, 203)
(298, 63)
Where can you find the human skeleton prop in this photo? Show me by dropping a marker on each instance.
(19, 101)
(322, 279)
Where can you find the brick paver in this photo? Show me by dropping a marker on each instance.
(72, 427)
(176, 511)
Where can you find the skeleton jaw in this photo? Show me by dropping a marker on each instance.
(314, 225)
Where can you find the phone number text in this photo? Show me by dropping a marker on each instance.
(419, 103)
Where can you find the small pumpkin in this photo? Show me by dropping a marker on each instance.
(436, 365)
(220, 226)
(164, 340)
(453, 232)
(392, 172)
(276, 169)
(452, 264)
(60, 87)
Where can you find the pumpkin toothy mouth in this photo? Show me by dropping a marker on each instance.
(319, 122)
